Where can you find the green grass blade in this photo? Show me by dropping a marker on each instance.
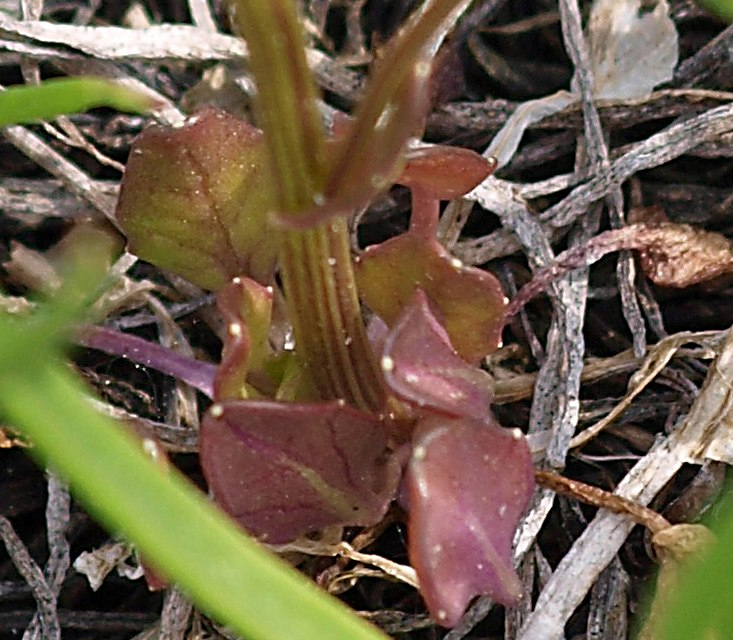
(181, 535)
(702, 607)
(722, 8)
(26, 104)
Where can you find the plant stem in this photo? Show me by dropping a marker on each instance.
(326, 316)
(287, 110)
(316, 264)
(200, 375)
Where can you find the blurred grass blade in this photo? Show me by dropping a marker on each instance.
(722, 8)
(26, 104)
(702, 606)
(227, 574)
(184, 537)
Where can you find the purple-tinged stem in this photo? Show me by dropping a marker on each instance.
(425, 213)
(576, 258)
(660, 239)
(200, 375)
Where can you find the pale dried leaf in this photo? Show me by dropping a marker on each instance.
(506, 142)
(401, 572)
(656, 360)
(96, 565)
(632, 48)
(632, 51)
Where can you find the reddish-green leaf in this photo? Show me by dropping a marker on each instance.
(369, 157)
(468, 483)
(195, 200)
(395, 101)
(445, 172)
(282, 470)
(421, 366)
(365, 162)
(470, 301)
(246, 307)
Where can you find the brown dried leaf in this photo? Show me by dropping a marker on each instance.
(679, 255)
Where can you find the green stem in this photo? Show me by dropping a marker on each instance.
(316, 264)
(287, 110)
(324, 308)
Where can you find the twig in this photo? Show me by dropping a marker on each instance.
(602, 499)
(711, 58)
(57, 521)
(158, 43)
(174, 439)
(608, 615)
(175, 616)
(668, 144)
(202, 16)
(32, 574)
(600, 541)
(657, 359)
(73, 178)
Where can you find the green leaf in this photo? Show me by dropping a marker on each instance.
(195, 200)
(227, 574)
(52, 98)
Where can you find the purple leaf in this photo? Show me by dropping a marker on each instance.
(467, 485)
(195, 200)
(282, 470)
(421, 366)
